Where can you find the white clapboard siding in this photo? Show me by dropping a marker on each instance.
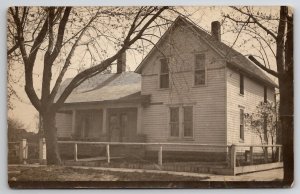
(208, 101)
(64, 124)
(253, 94)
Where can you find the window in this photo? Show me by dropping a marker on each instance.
(241, 124)
(188, 121)
(164, 73)
(200, 69)
(265, 94)
(174, 121)
(241, 84)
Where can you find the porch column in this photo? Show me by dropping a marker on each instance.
(104, 113)
(139, 119)
(74, 112)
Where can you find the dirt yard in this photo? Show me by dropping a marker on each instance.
(60, 173)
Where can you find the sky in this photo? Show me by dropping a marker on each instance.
(203, 16)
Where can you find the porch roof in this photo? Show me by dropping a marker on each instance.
(105, 87)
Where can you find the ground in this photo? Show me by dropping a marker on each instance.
(63, 173)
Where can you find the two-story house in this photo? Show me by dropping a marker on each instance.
(190, 88)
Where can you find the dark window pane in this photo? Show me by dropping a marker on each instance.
(242, 132)
(174, 114)
(242, 124)
(199, 77)
(174, 129)
(200, 62)
(164, 81)
(174, 121)
(164, 65)
(188, 121)
(188, 129)
(241, 84)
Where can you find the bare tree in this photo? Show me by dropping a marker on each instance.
(263, 123)
(54, 34)
(274, 34)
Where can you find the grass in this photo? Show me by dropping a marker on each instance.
(62, 173)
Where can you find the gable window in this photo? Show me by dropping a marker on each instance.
(242, 84)
(241, 124)
(174, 121)
(200, 69)
(265, 94)
(188, 121)
(164, 73)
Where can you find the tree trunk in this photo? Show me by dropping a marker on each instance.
(286, 108)
(50, 132)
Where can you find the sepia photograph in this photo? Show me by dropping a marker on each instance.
(150, 96)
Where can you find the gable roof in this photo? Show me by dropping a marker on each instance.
(105, 87)
(233, 58)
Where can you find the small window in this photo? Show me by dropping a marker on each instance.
(164, 73)
(200, 69)
(241, 124)
(174, 121)
(241, 84)
(188, 121)
(265, 94)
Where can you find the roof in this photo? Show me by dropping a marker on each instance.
(233, 57)
(105, 87)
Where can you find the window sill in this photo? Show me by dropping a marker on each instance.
(181, 139)
(242, 95)
(241, 141)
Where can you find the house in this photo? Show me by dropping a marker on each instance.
(190, 88)
(106, 107)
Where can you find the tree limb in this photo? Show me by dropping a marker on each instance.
(270, 71)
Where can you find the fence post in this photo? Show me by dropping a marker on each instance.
(279, 153)
(233, 157)
(107, 153)
(42, 151)
(23, 151)
(251, 155)
(266, 154)
(75, 152)
(160, 156)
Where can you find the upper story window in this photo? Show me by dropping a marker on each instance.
(242, 124)
(241, 84)
(200, 70)
(164, 73)
(265, 94)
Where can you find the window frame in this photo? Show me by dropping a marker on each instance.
(241, 125)
(160, 74)
(181, 135)
(197, 70)
(191, 121)
(172, 122)
(242, 84)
